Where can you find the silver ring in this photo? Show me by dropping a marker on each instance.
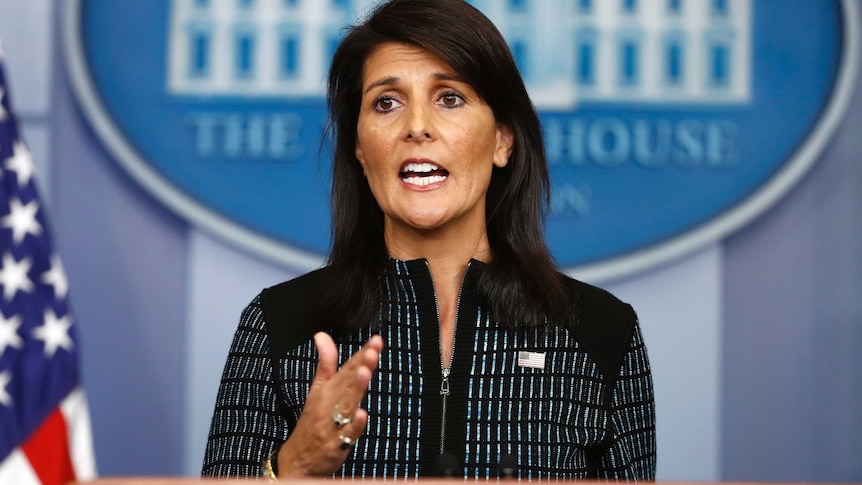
(346, 441)
(339, 419)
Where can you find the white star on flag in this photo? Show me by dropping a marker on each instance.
(54, 332)
(20, 163)
(9, 333)
(13, 276)
(5, 398)
(2, 109)
(56, 277)
(22, 219)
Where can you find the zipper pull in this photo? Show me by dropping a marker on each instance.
(444, 386)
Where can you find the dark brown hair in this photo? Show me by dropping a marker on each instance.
(521, 284)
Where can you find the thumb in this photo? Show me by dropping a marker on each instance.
(327, 364)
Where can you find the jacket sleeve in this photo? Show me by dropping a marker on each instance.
(631, 454)
(246, 425)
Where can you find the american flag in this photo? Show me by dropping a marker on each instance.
(535, 360)
(45, 435)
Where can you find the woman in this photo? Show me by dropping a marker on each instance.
(439, 339)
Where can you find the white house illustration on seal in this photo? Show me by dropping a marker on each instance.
(568, 51)
(275, 48)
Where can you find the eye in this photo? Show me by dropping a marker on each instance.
(451, 100)
(385, 104)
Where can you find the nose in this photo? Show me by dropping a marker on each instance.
(418, 123)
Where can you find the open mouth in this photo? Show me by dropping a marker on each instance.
(423, 173)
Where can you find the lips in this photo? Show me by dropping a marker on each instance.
(422, 173)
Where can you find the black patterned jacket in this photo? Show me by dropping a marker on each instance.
(550, 403)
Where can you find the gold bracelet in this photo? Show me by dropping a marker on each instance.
(266, 467)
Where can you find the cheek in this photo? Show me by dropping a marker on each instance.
(370, 159)
(373, 159)
(371, 145)
(481, 144)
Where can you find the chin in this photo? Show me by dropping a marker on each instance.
(427, 225)
(425, 222)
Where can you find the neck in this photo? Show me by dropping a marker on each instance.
(447, 250)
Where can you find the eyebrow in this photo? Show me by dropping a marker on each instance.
(386, 81)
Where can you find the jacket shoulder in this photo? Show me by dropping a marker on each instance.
(604, 326)
(285, 310)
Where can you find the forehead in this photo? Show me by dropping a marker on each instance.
(398, 61)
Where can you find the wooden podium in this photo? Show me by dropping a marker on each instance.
(330, 481)
(293, 481)
(190, 481)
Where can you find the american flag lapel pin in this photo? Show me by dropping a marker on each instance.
(535, 360)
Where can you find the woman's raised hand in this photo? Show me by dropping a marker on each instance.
(331, 420)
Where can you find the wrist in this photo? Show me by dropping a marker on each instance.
(269, 467)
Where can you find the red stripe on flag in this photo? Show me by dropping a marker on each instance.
(48, 451)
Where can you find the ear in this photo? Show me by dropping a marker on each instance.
(505, 140)
(357, 152)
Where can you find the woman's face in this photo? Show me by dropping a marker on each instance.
(426, 141)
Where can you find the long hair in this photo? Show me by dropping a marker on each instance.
(521, 284)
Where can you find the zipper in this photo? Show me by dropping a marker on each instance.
(444, 392)
(447, 367)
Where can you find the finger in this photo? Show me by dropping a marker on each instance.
(375, 342)
(354, 430)
(372, 351)
(359, 422)
(327, 364)
(367, 356)
(356, 374)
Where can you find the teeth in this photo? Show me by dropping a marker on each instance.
(420, 167)
(423, 181)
